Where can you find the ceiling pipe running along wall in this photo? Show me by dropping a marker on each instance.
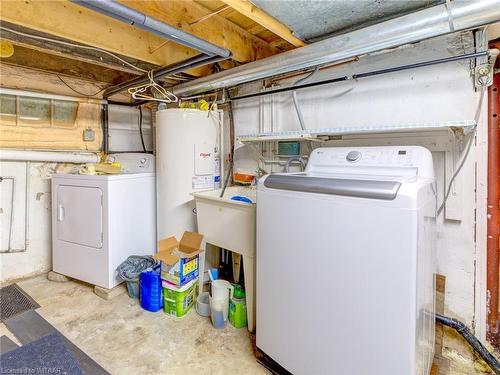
(48, 156)
(133, 17)
(411, 28)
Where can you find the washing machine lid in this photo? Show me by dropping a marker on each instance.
(361, 188)
(363, 172)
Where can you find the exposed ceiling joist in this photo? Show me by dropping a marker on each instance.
(33, 59)
(206, 17)
(73, 22)
(17, 77)
(74, 53)
(256, 29)
(69, 21)
(249, 10)
(216, 29)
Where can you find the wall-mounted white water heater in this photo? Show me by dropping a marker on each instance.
(187, 160)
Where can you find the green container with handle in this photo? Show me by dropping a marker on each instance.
(238, 308)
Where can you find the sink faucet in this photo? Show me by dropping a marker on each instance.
(295, 159)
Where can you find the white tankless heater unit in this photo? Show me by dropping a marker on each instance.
(187, 160)
(345, 263)
(99, 220)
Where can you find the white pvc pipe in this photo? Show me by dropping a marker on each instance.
(48, 156)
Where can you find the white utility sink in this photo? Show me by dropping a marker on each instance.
(230, 224)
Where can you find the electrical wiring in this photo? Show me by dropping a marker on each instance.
(140, 130)
(73, 45)
(465, 154)
(79, 92)
(158, 93)
(296, 100)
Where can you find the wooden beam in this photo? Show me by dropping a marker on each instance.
(215, 29)
(22, 78)
(249, 10)
(84, 55)
(73, 22)
(75, 53)
(38, 60)
(256, 29)
(217, 11)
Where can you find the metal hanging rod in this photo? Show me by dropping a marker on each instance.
(364, 75)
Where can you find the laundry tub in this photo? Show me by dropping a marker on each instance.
(227, 223)
(230, 224)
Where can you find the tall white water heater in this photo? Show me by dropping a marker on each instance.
(187, 160)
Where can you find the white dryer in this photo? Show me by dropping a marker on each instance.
(99, 220)
(345, 263)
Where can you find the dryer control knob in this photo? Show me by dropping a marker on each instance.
(353, 156)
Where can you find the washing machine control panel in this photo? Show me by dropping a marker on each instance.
(374, 160)
(353, 156)
(134, 162)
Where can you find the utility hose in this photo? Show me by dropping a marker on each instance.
(465, 332)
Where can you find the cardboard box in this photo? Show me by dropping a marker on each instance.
(180, 259)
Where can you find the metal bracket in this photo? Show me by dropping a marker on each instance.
(483, 73)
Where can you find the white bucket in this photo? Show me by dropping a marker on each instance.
(203, 304)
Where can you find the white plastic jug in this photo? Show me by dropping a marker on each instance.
(222, 290)
(219, 310)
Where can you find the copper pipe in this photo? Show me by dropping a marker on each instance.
(493, 211)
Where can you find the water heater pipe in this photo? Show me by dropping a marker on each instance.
(414, 27)
(48, 156)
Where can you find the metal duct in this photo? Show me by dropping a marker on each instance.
(411, 28)
(128, 15)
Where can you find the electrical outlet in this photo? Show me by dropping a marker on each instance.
(88, 135)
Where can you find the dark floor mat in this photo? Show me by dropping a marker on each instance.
(6, 344)
(30, 326)
(14, 300)
(47, 355)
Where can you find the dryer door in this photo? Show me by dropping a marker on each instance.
(79, 215)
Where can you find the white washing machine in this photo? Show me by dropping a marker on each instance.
(345, 263)
(99, 220)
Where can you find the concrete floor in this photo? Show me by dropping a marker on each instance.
(125, 339)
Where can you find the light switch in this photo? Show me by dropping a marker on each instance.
(88, 135)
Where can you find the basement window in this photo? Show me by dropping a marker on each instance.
(8, 109)
(33, 111)
(38, 112)
(64, 113)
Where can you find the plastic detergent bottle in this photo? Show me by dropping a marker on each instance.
(151, 290)
(238, 308)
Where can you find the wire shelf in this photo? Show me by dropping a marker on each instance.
(458, 127)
